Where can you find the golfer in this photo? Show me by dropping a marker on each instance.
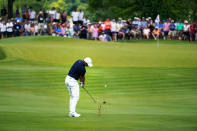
(77, 72)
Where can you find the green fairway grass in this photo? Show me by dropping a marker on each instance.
(146, 86)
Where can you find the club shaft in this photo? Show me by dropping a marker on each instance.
(90, 95)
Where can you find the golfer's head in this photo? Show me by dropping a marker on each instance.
(88, 61)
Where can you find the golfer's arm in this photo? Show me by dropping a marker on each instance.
(82, 80)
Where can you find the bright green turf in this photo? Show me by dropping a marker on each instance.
(149, 87)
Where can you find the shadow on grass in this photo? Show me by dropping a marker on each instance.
(2, 54)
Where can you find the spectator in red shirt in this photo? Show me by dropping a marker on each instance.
(108, 27)
(192, 32)
(100, 28)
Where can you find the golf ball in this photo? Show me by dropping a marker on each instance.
(105, 85)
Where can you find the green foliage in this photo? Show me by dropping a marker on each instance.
(176, 9)
(102, 9)
(68, 5)
(59, 4)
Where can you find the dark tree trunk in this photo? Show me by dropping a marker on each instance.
(10, 8)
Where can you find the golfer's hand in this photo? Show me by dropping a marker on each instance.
(82, 84)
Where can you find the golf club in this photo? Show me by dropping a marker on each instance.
(99, 105)
(90, 95)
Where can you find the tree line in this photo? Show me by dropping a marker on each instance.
(102, 9)
(176, 9)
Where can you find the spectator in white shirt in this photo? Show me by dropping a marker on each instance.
(3, 29)
(146, 32)
(32, 14)
(186, 30)
(80, 19)
(114, 30)
(75, 17)
(9, 27)
(57, 16)
(27, 28)
(52, 13)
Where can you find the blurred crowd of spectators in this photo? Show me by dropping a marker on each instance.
(56, 23)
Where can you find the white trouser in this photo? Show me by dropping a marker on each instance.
(73, 88)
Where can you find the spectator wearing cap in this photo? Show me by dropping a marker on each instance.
(123, 29)
(143, 23)
(40, 23)
(114, 30)
(135, 22)
(119, 26)
(100, 28)
(17, 28)
(186, 30)
(156, 33)
(171, 33)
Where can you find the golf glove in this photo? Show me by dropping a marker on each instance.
(81, 84)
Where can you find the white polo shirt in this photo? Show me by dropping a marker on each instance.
(9, 27)
(27, 27)
(57, 16)
(3, 28)
(75, 16)
(81, 14)
(32, 14)
(113, 27)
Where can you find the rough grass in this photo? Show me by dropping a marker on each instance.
(148, 87)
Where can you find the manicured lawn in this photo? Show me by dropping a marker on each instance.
(148, 87)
